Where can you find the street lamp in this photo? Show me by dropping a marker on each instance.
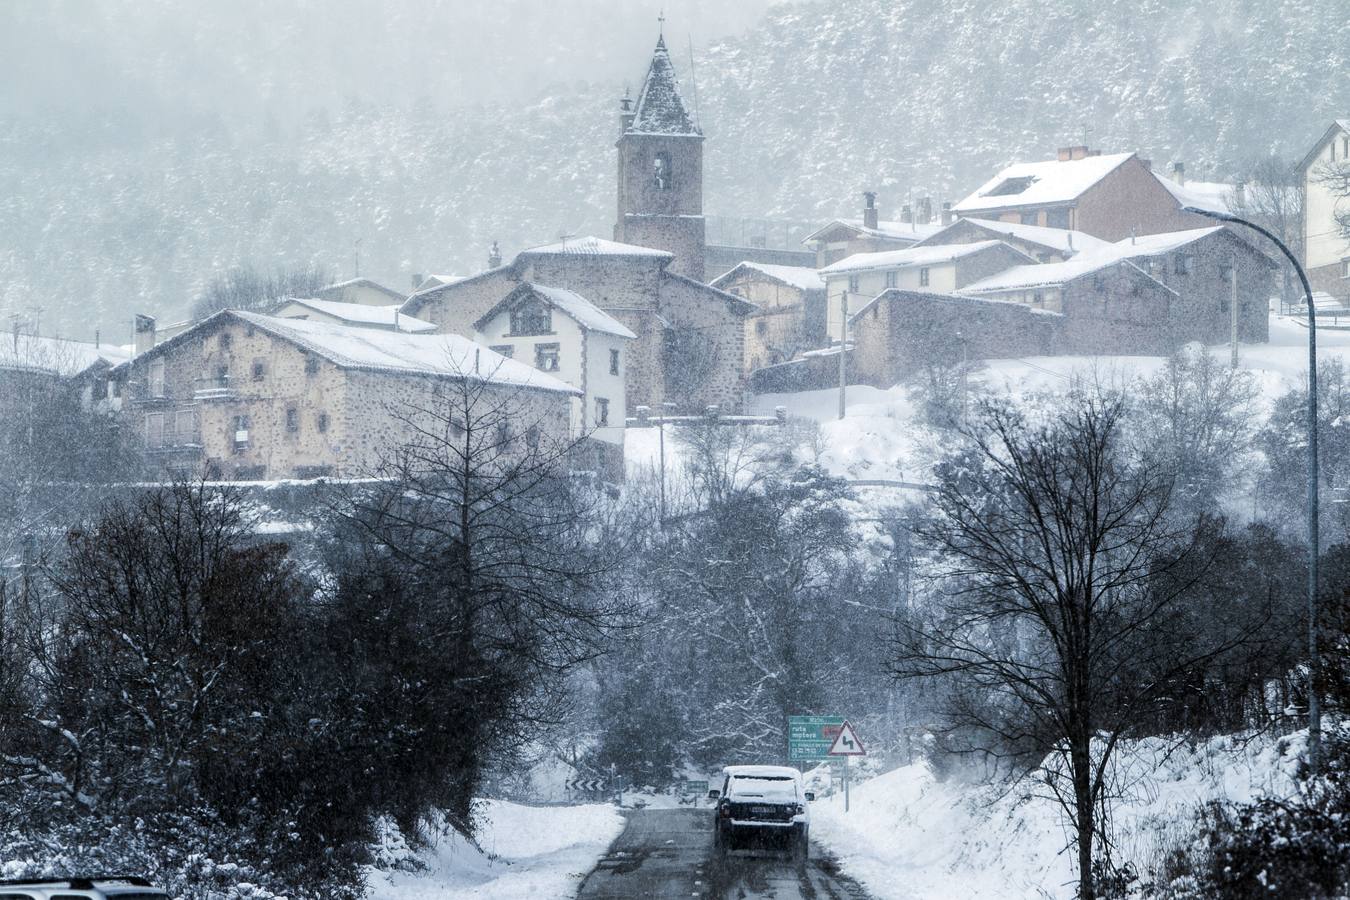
(1314, 704)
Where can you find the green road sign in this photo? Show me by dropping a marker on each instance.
(810, 737)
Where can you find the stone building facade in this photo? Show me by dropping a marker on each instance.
(900, 332)
(789, 318)
(689, 339)
(253, 397)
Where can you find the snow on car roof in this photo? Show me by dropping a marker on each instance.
(762, 772)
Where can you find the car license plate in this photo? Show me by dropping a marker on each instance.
(762, 810)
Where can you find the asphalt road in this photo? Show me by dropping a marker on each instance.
(669, 853)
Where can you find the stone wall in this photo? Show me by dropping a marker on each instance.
(1202, 312)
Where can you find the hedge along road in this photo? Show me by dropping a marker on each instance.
(667, 853)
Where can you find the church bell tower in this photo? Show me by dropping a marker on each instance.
(661, 170)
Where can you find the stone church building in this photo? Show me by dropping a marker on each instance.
(689, 343)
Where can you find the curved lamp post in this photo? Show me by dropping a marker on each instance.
(1314, 702)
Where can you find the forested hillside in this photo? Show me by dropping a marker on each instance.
(132, 203)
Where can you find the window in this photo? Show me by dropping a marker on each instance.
(546, 357)
(239, 433)
(184, 426)
(157, 378)
(292, 419)
(923, 277)
(504, 350)
(1038, 298)
(614, 362)
(1181, 264)
(323, 423)
(532, 317)
(1345, 268)
(892, 278)
(225, 341)
(1225, 273)
(311, 365)
(222, 376)
(259, 370)
(853, 283)
(761, 327)
(661, 176)
(154, 430)
(1012, 186)
(1029, 218)
(1057, 218)
(532, 437)
(601, 412)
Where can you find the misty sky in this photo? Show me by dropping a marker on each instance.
(161, 60)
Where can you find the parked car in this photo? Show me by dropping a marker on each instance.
(94, 887)
(766, 804)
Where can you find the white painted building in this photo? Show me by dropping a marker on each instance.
(560, 332)
(1326, 248)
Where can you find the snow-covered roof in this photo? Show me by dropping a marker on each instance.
(392, 352)
(794, 276)
(912, 256)
(55, 356)
(431, 281)
(582, 311)
(361, 314)
(1166, 242)
(340, 286)
(1211, 195)
(1061, 239)
(1336, 125)
(594, 246)
(1057, 273)
(660, 110)
(897, 293)
(909, 232)
(1041, 183)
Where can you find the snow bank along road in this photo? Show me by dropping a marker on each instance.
(669, 853)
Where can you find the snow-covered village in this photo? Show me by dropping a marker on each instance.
(866, 449)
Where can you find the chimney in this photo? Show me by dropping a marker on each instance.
(98, 338)
(870, 209)
(1179, 172)
(947, 216)
(907, 214)
(1146, 163)
(417, 280)
(1070, 237)
(925, 211)
(494, 256)
(143, 340)
(1070, 153)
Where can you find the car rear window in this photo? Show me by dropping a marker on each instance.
(768, 787)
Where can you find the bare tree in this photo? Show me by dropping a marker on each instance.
(1062, 611)
(1194, 418)
(247, 288)
(507, 555)
(691, 358)
(1336, 177)
(1272, 196)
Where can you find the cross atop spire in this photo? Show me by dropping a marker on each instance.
(661, 26)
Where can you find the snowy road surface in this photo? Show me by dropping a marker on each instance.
(669, 853)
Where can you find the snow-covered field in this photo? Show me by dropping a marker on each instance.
(539, 852)
(909, 836)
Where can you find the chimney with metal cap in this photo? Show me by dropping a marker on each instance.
(143, 340)
(494, 256)
(947, 216)
(925, 211)
(870, 209)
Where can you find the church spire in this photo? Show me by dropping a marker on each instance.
(660, 109)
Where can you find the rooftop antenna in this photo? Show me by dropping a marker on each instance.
(693, 82)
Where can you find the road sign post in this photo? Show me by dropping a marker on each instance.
(847, 745)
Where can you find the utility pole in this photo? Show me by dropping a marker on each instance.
(1233, 335)
(661, 441)
(843, 344)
